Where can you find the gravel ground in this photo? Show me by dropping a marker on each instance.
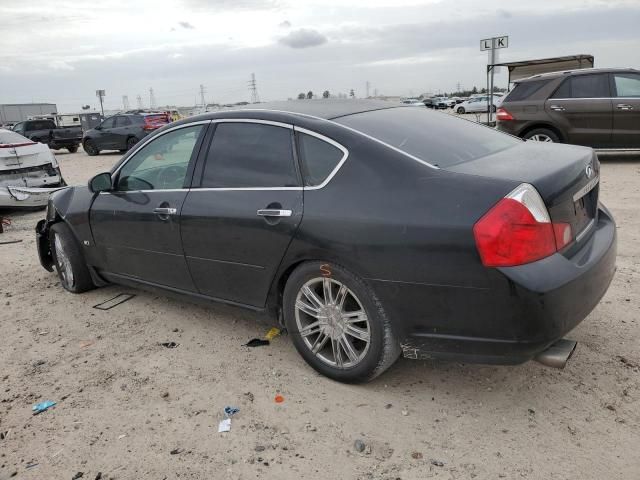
(129, 408)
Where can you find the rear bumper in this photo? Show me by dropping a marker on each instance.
(523, 311)
(11, 197)
(64, 142)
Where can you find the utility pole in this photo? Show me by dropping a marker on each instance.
(125, 102)
(458, 87)
(100, 94)
(152, 99)
(367, 85)
(253, 88)
(202, 100)
(139, 98)
(375, 92)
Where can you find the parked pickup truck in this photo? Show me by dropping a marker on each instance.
(47, 132)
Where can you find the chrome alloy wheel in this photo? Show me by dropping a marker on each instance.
(541, 137)
(64, 265)
(332, 322)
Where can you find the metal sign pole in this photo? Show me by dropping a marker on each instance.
(491, 45)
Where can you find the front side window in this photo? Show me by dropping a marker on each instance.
(108, 123)
(584, 86)
(162, 163)
(122, 121)
(318, 158)
(627, 85)
(250, 155)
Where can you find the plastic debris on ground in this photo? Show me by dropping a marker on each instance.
(114, 302)
(272, 333)
(260, 342)
(170, 344)
(42, 406)
(225, 425)
(279, 398)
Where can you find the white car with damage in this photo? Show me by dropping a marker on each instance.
(29, 171)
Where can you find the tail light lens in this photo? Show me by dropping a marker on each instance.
(502, 114)
(518, 230)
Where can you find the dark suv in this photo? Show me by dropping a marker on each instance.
(121, 132)
(599, 108)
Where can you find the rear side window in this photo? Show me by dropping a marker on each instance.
(584, 86)
(318, 158)
(523, 91)
(627, 85)
(250, 155)
(439, 139)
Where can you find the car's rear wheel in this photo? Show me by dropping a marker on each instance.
(73, 149)
(68, 259)
(91, 148)
(131, 141)
(337, 324)
(541, 135)
(460, 110)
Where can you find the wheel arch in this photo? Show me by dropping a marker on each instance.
(546, 126)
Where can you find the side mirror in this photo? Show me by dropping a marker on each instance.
(101, 183)
(97, 127)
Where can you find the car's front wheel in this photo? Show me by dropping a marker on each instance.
(541, 135)
(68, 259)
(337, 324)
(131, 141)
(460, 110)
(90, 147)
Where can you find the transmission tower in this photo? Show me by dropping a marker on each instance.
(152, 99)
(139, 98)
(125, 102)
(367, 85)
(458, 86)
(203, 102)
(253, 88)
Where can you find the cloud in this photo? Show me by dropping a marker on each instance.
(186, 25)
(232, 4)
(285, 24)
(303, 38)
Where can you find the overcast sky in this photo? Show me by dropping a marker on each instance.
(61, 51)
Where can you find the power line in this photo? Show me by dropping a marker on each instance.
(125, 102)
(253, 88)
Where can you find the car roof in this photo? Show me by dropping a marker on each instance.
(327, 109)
(582, 71)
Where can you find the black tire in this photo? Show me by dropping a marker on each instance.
(131, 141)
(460, 110)
(383, 348)
(69, 260)
(90, 148)
(542, 135)
(73, 149)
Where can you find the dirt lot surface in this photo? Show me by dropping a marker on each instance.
(133, 409)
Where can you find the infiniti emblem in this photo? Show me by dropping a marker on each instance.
(589, 171)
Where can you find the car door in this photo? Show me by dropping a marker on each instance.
(239, 221)
(626, 110)
(104, 135)
(582, 108)
(122, 131)
(136, 225)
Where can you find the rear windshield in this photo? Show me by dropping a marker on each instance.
(11, 138)
(437, 138)
(522, 91)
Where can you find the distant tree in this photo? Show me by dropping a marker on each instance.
(484, 90)
(309, 94)
(474, 90)
(301, 96)
(352, 94)
(86, 107)
(325, 94)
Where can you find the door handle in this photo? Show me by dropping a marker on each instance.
(165, 211)
(557, 108)
(274, 212)
(624, 106)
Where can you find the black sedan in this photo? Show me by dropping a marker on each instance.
(370, 229)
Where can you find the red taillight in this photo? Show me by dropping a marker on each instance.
(517, 230)
(502, 114)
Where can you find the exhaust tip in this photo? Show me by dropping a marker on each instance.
(557, 355)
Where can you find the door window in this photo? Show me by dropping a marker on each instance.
(627, 85)
(584, 86)
(318, 158)
(123, 121)
(108, 123)
(250, 155)
(162, 163)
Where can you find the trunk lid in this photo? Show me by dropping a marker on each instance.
(566, 176)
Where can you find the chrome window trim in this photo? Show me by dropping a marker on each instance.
(142, 144)
(344, 150)
(252, 120)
